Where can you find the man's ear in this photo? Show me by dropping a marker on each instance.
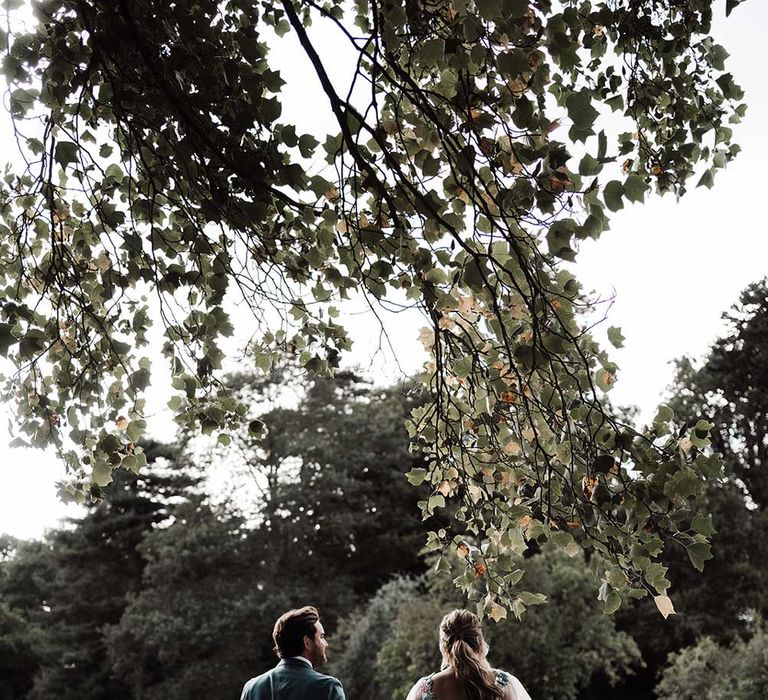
(307, 642)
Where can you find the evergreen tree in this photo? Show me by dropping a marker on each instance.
(727, 388)
(24, 574)
(70, 588)
(348, 505)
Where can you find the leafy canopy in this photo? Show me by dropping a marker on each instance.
(163, 179)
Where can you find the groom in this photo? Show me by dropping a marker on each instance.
(300, 644)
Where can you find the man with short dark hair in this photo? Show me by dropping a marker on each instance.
(300, 644)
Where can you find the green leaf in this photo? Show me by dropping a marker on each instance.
(131, 463)
(664, 414)
(698, 553)
(635, 188)
(655, 574)
(700, 434)
(589, 166)
(559, 239)
(66, 153)
(416, 476)
(592, 227)
(474, 274)
(523, 114)
(135, 430)
(282, 27)
(442, 566)
(612, 195)
(472, 28)
(6, 338)
(580, 110)
(175, 402)
(702, 524)
(432, 51)
(436, 276)
(431, 166)
(731, 90)
(615, 337)
(31, 345)
(711, 466)
(22, 101)
(602, 145)
(257, 428)
(102, 474)
(707, 179)
(517, 8)
(530, 598)
(612, 602)
(436, 500)
(717, 55)
(604, 379)
(139, 380)
(307, 145)
(616, 103)
(513, 63)
(115, 172)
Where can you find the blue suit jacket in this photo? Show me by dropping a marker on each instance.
(292, 679)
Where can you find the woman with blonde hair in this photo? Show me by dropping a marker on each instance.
(466, 674)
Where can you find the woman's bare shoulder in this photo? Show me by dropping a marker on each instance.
(422, 689)
(513, 687)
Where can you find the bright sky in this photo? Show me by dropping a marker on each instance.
(673, 268)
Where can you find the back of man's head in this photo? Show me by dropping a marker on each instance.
(291, 628)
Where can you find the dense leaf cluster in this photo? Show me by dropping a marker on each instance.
(161, 166)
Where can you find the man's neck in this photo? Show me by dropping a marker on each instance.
(304, 659)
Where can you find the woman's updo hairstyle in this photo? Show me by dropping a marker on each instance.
(461, 639)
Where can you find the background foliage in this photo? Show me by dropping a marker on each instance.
(160, 590)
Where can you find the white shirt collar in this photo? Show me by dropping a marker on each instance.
(302, 658)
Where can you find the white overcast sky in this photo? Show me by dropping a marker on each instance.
(673, 268)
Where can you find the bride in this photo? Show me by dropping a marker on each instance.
(466, 674)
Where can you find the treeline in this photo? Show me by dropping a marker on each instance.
(162, 591)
